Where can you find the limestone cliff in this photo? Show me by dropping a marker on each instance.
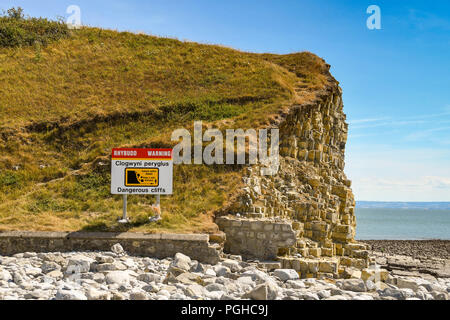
(310, 190)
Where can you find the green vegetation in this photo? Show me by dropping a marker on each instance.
(17, 31)
(67, 97)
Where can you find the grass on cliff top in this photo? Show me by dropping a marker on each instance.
(66, 100)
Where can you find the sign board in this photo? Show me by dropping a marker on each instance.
(141, 171)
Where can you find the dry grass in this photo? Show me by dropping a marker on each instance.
(63, 108)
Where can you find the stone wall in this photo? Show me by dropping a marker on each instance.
(195, 246)
(257, 238)
(310, 188)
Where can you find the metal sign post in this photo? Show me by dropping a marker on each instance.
(124, 217)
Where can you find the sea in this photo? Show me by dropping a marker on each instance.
(402, 220)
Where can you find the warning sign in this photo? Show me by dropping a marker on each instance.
(140, 177)
(141, 171)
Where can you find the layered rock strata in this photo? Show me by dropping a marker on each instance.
(310, 191)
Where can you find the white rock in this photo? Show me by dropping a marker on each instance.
(210, 272)
(138, 295)
(36, 294)
(150, 277)
(151, 288)
(29, 254)
(296, 284)
(309, 296)
(182, 261)
(178, 296)
(355, 285)
(164, 293)
(216, 287)
(195, 291)
(79, 264)
(49, 266)
(408, 293)
(98, 277)
(407, 284)
(214, 295)
(56, 274)
(370, 285)
(337, 297)
(104, 259)
(261, 292)
(232, 265)
(118, 249)
(70, 295)
(390, 292)
(33, 271)
(364, 297)
(94, 294)
(246, 281)
(121, 278)
(5, 275)
(324, 294)
(286, 274)
(116, 265)
(221, 271)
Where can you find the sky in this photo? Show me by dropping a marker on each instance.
(396, 80)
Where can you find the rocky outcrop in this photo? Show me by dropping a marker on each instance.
(310, 190)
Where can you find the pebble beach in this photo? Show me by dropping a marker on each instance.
(114, 275)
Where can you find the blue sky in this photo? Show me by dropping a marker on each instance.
(396, 80)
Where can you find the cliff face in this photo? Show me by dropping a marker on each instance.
(310, 190)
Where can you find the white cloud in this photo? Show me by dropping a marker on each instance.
(384, 173)
(422, 134)
(366, 120)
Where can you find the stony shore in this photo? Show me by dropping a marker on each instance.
(414, 258)
(420, 249)
(116, 276)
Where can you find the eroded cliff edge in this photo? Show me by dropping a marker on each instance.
(304, 215)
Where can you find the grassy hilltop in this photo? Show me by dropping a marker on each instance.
(68, 96)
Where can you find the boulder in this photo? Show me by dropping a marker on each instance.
(110, 267)
(79, 264)
(221, 271)
(49, 266)
(56, 274)
(121, 278)
(149, 277)
(233, 265)
(407, 284)
(260, 293)
(210, 272)
(104, 259)
(195, 291)
(246, 281)
(286, 274)
(64, 294)
(118, 249)
(355, 285)
(94, 294)
(392, 293)
(216, 287)
(324, 294)
(138, 295)
(182, 261)
(5, 275)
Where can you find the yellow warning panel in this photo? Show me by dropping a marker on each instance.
(142, 177)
